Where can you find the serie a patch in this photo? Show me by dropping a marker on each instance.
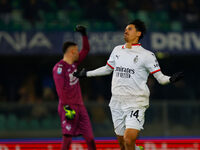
(59, 70)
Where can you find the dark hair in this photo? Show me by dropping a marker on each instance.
(140, 26)
(66, 45)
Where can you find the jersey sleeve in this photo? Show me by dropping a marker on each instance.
(59, 79)
(151, 63)
(105, 70)
(111, 60)
(85, 49)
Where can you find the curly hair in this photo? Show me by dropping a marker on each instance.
(140, 26)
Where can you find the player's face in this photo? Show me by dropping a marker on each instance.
(75, 53)
(131, 35)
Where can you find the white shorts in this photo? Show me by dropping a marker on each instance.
(127, 118)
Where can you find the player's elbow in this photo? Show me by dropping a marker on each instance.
(87, 47)
(162, 82)
(162, 79)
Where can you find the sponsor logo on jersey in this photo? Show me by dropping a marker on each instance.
(156, 65)
(124, 72)
(72, 79)
(136, 59)
(117, 56)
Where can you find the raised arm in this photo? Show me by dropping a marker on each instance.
(85, 46)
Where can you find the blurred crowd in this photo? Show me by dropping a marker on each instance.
(28, 91)
(98, 15)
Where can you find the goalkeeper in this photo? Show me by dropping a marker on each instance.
(73, 114)
(131, 65)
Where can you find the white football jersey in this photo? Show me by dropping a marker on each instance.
(131, 68)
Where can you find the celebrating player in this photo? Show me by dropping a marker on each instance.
(73, 114)
(131, 65)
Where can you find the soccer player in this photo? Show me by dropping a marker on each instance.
(131, 65)
(73, 114)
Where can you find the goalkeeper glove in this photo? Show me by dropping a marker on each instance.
(81, 29)
(176, 77)
(80, 74)
(69, 113)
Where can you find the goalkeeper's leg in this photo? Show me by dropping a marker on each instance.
(86, 128)
(66, 142)
(90, 142)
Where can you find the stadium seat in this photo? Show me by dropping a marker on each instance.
(176, 26)
(12, 122)
(2, 122)
(132, 16)
(34, 124)
(55, 120)
(73, 4)
(47, 123)
(143, 15)
(23, 124)
(164, 16)
(40, 25)
(17, 16)
(16, 4)
(26, 25)
(108, 26)
(61, 16)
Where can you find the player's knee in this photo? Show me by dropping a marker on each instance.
(129, 140)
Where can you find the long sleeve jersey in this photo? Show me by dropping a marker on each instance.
(131, 68)
(67, 86)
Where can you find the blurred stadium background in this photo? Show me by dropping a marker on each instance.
(31, 36)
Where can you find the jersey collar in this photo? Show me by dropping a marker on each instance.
(124, 46)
